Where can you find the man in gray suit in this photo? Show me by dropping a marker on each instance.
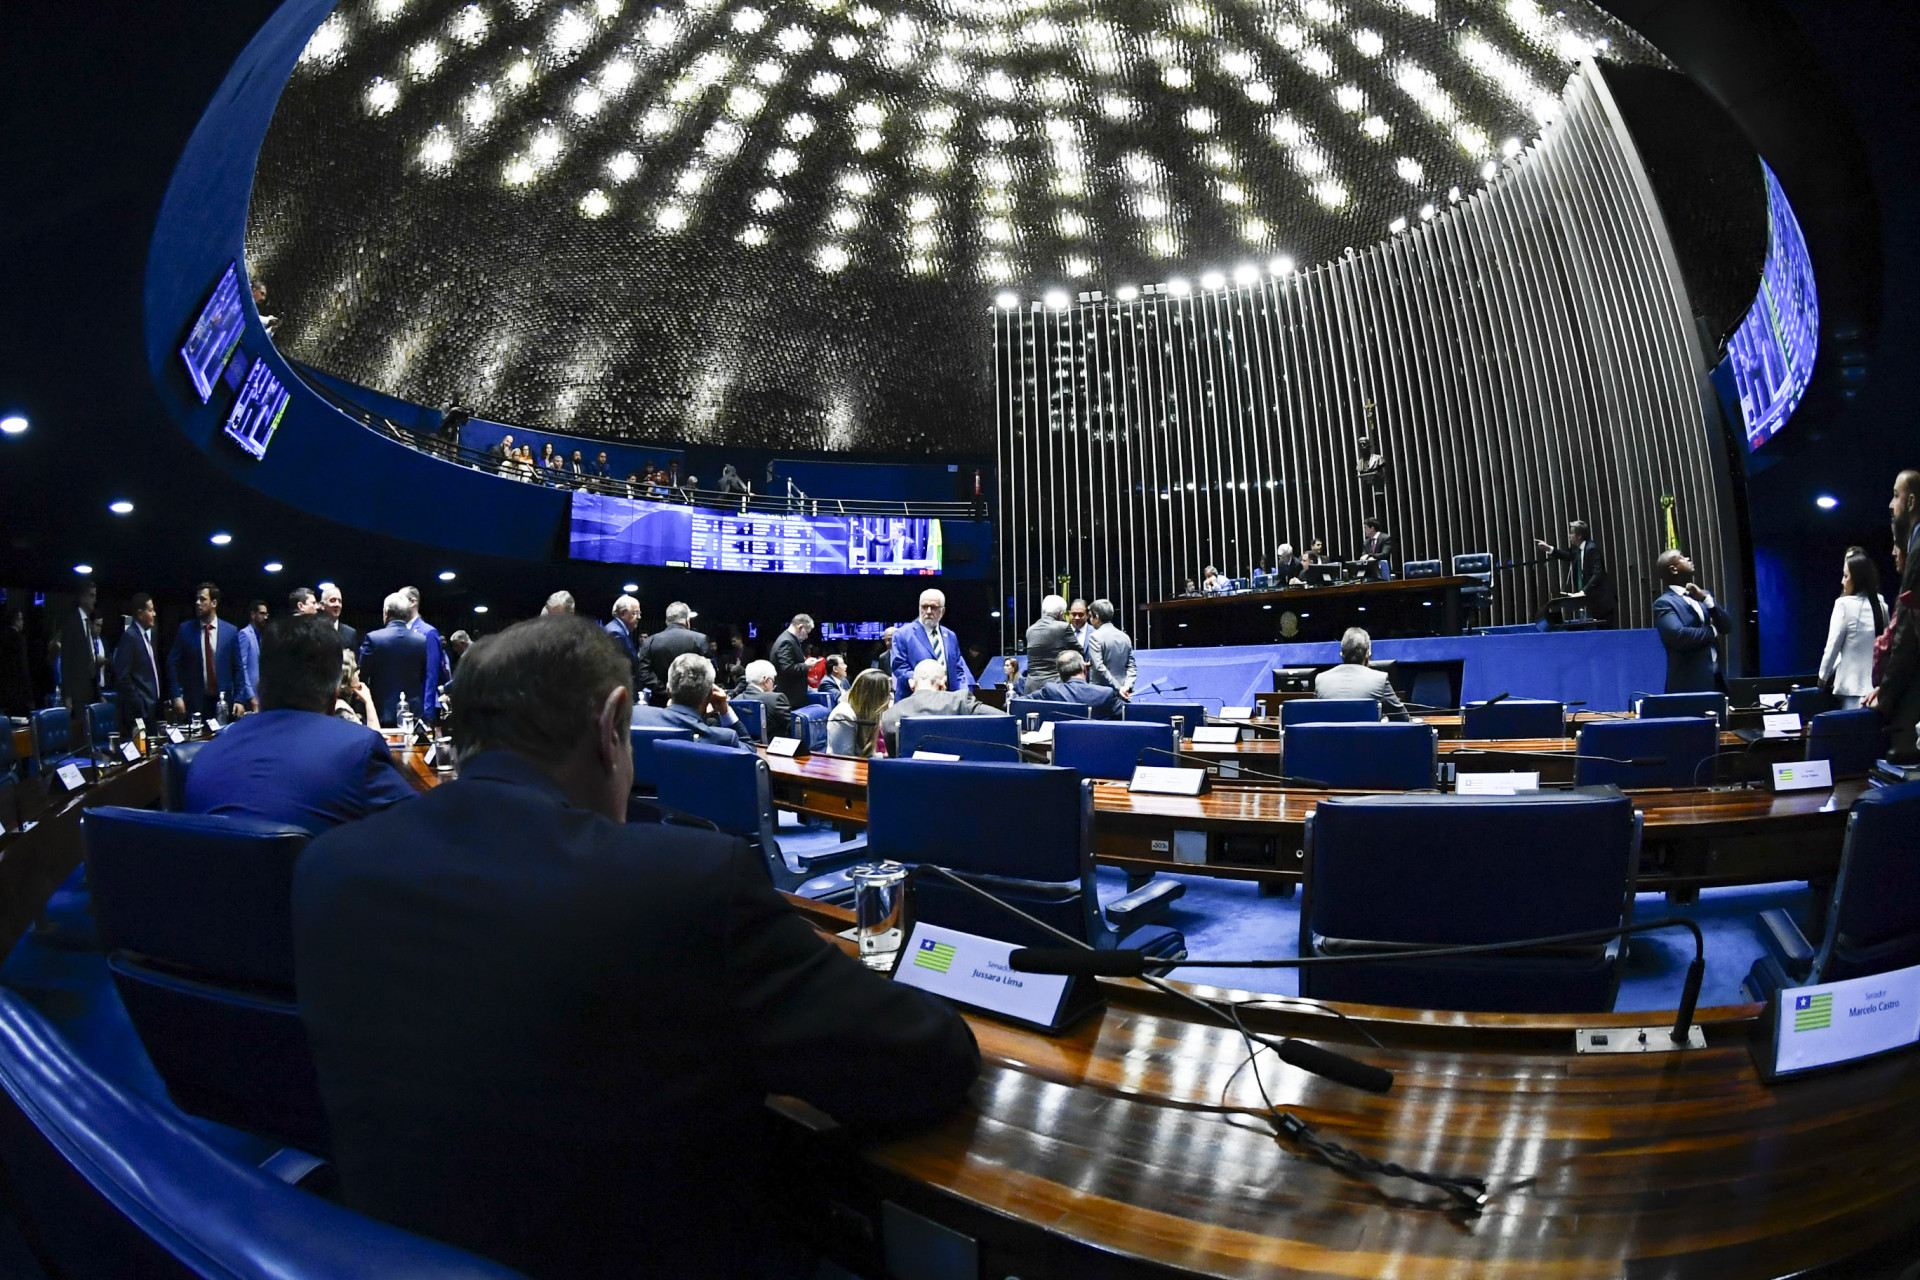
(930, 697)
(1110, 655)
(1353, 678)
(1046, 640)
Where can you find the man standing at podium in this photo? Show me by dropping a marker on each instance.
(1590, 577)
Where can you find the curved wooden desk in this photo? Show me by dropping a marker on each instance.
(1104, 1152)
(34, 862)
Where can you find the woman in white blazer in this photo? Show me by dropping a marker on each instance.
(1859, 615)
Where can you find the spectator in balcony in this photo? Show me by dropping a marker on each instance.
(730, 481)
(549, 460)
(600, 467)
(577, 468)
(270, 323)
(633, 484)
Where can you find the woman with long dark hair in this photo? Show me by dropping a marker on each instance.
(855, 719)
(1846, 668)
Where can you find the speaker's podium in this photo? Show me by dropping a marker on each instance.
(1568, 613)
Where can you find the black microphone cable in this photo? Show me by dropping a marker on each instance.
(1262, 774)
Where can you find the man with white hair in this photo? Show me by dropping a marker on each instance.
(626, 621)
(331, 604)
(1353, 678)
(694, 703)
(393, 661)
(666, 644)
(757, 684)
(915, 642)
(1047, 639)
(560, 602)
(931, 697)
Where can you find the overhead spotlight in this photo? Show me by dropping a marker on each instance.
(1453, 195)
(1826, 502)
(1178, 288)
(221, 539)
(1426, 212)
(1487, 171)
(1510, 148)
(1213, 280)
(447, 575)
(1126, 293)
(1281, 266)
(1007, 300)
(121, 508)
(13, 424)
(1057, 299)
(479, 608)
(1246, 273)
(83, 568)
(1397, 226)
(273, 566)
(629, 587)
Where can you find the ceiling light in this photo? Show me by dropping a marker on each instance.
(1179, 288)
(629, 587)
(1246, 273)
(121, 508)
(1057, 299)
(273, 566)
(1487, 171)
(1008, 301)
(1126, 293)
(83, 568)
(1510, 148)
(1397, 226)
(1281, 266)
(479, 608)
(221, 539)
(1213, 280)
(447, 575)
(13, 425)
(1826, 502)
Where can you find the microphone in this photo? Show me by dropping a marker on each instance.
(1133, 964)
(1498, 697)
(1158, 687)
(1262, 774)
(1022, 755)
(1638, 762)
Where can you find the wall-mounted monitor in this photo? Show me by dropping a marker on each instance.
(1770, 356)
(256, 413)
(637, 531)
(215, 334)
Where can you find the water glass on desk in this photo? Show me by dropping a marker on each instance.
(879, 911)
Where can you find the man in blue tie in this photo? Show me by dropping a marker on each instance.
(204, 663)
(915, 642)
(1102, 702)
(296, 762)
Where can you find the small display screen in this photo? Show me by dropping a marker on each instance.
(638, 531)
(853, 630)
(215, 334)
(256, 414)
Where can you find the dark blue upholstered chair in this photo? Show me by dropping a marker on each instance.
(1443, 870)
(1111, 748)
(1420, 569)
(110, 1184)
(969, 737)
(1372, 757)
(644, 736)
(1685, 744)
(820, 698)
(175, 760)
(52, 732)
(196, 914)
(1850, 741)
(1047, 709)
(1658, 706)
(1514, 718)
(732, 789)
(810, 725)
(1873, 922)
(1329, 711)
(1022, 832)
(1808, 701)
(1192, 714)
(753, 715)
(102, 721)
(1476, 597)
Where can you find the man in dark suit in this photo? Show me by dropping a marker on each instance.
(136, 669)
(393, 661)
(1377, 544)
(834, 680)
(789, 656)
(695, 704)
(666, 644)
(204, 663)
(1897, 695)
(1690, 626)
(625, 622)
(931, 697)
(1048, 638)
(757, 684)
(331, 603)
(16, 671)
(250, 648)
(1102, 701)
(295, 761)
(1287, 566)
(1589, 579)
(915, 642)
(439, 667)
(80, 654)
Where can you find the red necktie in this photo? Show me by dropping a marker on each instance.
(206, 648)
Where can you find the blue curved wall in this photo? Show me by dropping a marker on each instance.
(320, 460)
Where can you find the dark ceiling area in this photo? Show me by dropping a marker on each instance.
(95, 113)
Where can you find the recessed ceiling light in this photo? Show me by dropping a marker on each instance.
(13, 424)
(83, 568)
(121, 508)
(629, 587)
(447, 575)
(479, 608)
(1826, 502)
(1126, 293)
(1008, 301)
(273, 566)
(1057, 299)
(221, 539)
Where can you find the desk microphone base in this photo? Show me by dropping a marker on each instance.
(1636, 1040)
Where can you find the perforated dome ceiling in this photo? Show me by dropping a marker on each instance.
(782, 225)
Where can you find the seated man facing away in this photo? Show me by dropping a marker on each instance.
(1353, 678)
(694, 703)
(296, 761)
(757, 683)
(931, 697)
(1073, 686)
(547, 1036)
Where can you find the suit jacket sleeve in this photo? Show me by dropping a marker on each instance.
(123, 658)
(1903, 647)
(958, 676)
(236, 672)
(383, 784)
(902, 665)
(821, 1027)
(1390, 701)
(643, 668)
(173, 664)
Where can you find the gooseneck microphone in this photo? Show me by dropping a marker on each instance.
(1638, 762)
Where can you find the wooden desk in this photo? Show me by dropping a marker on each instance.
(1400, 607)
(1105, 1153)
(33, 863)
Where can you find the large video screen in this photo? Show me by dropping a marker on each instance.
(215, 334)
(257, 411)
(1770, 356)
(637, 531)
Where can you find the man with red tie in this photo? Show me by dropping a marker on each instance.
(205, 661)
